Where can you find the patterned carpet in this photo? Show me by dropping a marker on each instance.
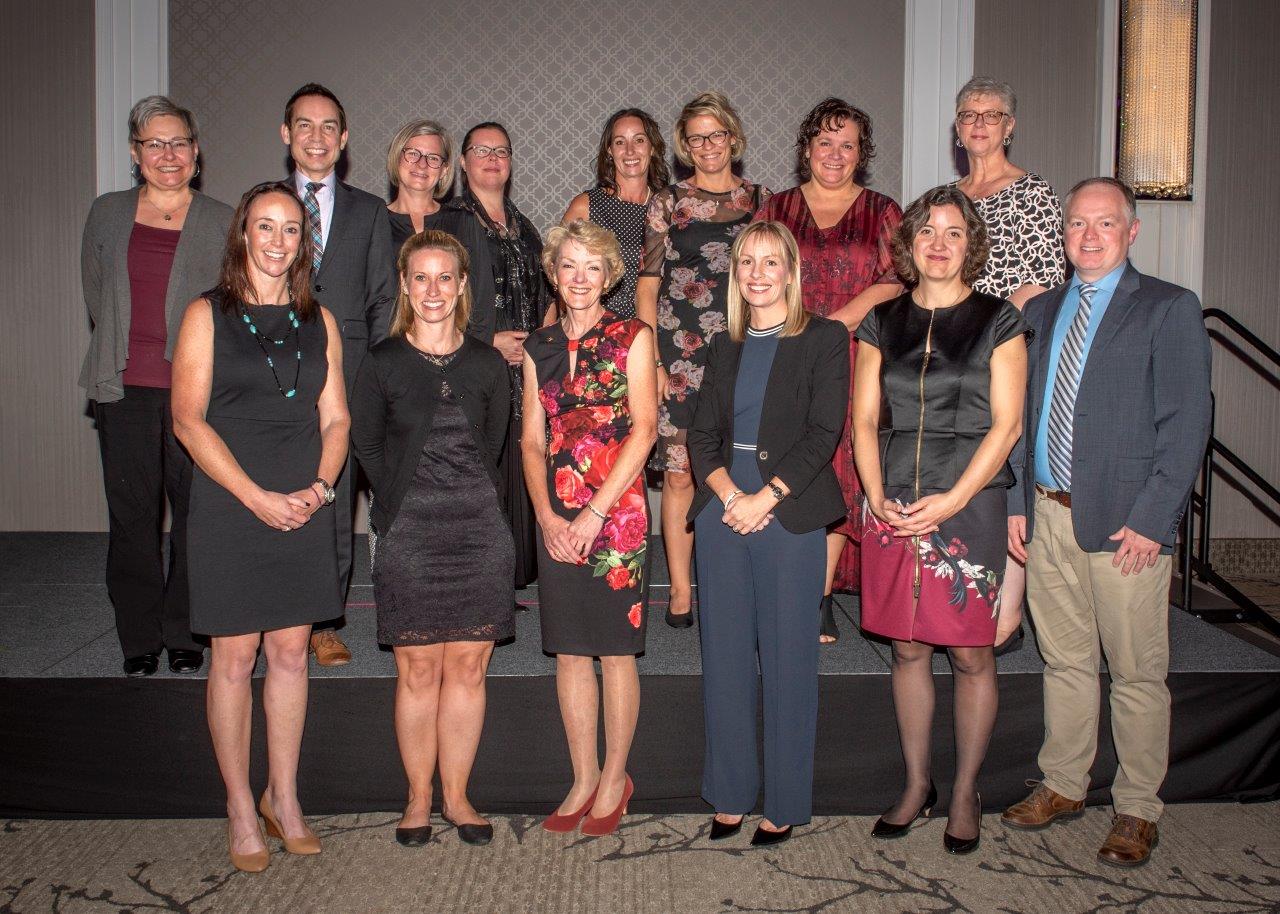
(1221, 858)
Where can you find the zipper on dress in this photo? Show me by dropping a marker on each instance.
(924, 366)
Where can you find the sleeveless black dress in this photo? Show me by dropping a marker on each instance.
(246, 576)
(626, 221)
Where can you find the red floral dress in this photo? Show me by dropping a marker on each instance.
(837, 263)
(597, 608)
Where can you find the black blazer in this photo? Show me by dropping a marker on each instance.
(804, 410)
(356, 280)
(393, 405)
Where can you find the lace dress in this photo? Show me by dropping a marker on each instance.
(444, 572)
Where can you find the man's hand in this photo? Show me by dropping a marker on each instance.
(1136, 552)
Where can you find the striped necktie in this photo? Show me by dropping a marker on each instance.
(313, 219)
(1066, 386)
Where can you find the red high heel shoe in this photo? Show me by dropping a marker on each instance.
(558, 823)
(607, 825)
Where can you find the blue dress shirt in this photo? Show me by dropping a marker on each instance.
(1066, 314)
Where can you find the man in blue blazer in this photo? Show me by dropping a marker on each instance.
(353, 275)
(1117, 421)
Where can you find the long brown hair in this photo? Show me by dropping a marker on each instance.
(233, 280)
(659, 176)
(431, 240)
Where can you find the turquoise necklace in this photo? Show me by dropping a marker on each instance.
(262, 340)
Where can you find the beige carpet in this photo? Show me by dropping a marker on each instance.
(1221, 858)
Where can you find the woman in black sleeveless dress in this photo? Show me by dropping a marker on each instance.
(259, 402)
(631, 167)
(429, 417)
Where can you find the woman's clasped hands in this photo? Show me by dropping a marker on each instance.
(749, 513)
(571, 541)
(920, 518)
(284, 512)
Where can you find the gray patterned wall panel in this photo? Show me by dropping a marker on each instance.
(552, 70)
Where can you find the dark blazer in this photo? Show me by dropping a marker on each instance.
(800, 424)
(1142, 412)
(393, 404)
(356, 280)
(104, 270)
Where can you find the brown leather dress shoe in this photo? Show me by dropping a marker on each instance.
(1130, 842)
(329, 649)
(1041, 809)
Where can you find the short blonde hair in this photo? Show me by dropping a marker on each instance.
(712, 104)
(595, 238)
(431, 240)
(739, 316)
(421, 127)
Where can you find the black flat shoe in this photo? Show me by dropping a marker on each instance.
(886, 829)
(186, 662)
(956, 845)
(763, 837)
(479, 835)
(720, 830)
(142, 665)
(413, 837)
(1010, 644)
(827, 615)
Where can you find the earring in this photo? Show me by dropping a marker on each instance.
(197, 174)
(958, 143)
(135, 172)
(1008, 139)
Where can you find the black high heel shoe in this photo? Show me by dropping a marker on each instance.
(827, 615)
(680, 620)
(721, 830)
(764, 837)
(886, 829)
(956, 845)
(1010, 644)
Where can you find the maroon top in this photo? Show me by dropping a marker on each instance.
(150, 261)
(837, 263)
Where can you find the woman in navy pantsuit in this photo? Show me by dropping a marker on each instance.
(768, 420)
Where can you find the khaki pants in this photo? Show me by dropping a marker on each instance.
(1084, 608)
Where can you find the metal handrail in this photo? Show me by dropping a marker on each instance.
(1249, 336)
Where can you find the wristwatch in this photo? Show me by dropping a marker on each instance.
(776, 490)
(329, 492)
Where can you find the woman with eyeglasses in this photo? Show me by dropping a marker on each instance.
(1024, 228)
(510, 296)
(682, 293)
(146, 253)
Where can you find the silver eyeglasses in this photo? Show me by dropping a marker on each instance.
(715, 137)
(483, 152)
(412, 156)
(179, 145)
(990, 118)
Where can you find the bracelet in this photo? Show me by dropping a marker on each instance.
(732, 495)
(592, 509)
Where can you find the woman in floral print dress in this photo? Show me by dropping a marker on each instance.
(682, 291)
(590, 382)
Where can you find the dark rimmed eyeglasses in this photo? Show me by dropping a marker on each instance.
(179, 145)
(413, 156)
(483, 152)
(990, 118)
(715, 137)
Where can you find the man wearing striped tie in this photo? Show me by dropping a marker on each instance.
(1117, 422)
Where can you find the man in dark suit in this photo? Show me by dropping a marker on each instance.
(1117, 422)
(353, 275)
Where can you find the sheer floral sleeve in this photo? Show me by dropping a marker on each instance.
(657, 225)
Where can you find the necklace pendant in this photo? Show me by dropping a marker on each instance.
(167, 217)
(291, 393)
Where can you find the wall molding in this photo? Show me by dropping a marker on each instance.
(939, 60)
(131, 60)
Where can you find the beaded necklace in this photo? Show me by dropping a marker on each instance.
(262, 340)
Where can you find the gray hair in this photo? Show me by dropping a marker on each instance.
(154, 106)
(421, 127)
(985, 85)
(1130, 201)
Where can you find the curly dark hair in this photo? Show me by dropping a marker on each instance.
(914, 219)
(659, 174)
(832, 114)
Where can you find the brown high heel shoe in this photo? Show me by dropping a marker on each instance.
(254, 862)
(307, 844)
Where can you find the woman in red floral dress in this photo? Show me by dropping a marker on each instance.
(590, 381)
(843, 230)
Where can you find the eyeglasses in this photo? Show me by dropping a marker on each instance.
(412, 156)
(483, 152)
(715, 137)
(990, 118)
(179, 145)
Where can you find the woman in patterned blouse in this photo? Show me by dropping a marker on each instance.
(682, 290)
(1024, 227)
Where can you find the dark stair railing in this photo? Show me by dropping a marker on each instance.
(1194, 561)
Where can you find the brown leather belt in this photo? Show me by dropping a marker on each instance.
(1062, 498)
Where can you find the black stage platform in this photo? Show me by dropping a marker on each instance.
(80, 739)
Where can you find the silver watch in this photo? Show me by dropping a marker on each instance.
(330, 493)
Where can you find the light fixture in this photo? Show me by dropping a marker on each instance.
(1156, 134)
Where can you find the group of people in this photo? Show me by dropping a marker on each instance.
(843, 395)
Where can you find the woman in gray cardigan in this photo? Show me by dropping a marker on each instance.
(146, 253)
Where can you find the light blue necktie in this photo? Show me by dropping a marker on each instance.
(313, 220)
(1066, 386)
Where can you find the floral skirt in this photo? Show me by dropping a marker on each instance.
(960, 569)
